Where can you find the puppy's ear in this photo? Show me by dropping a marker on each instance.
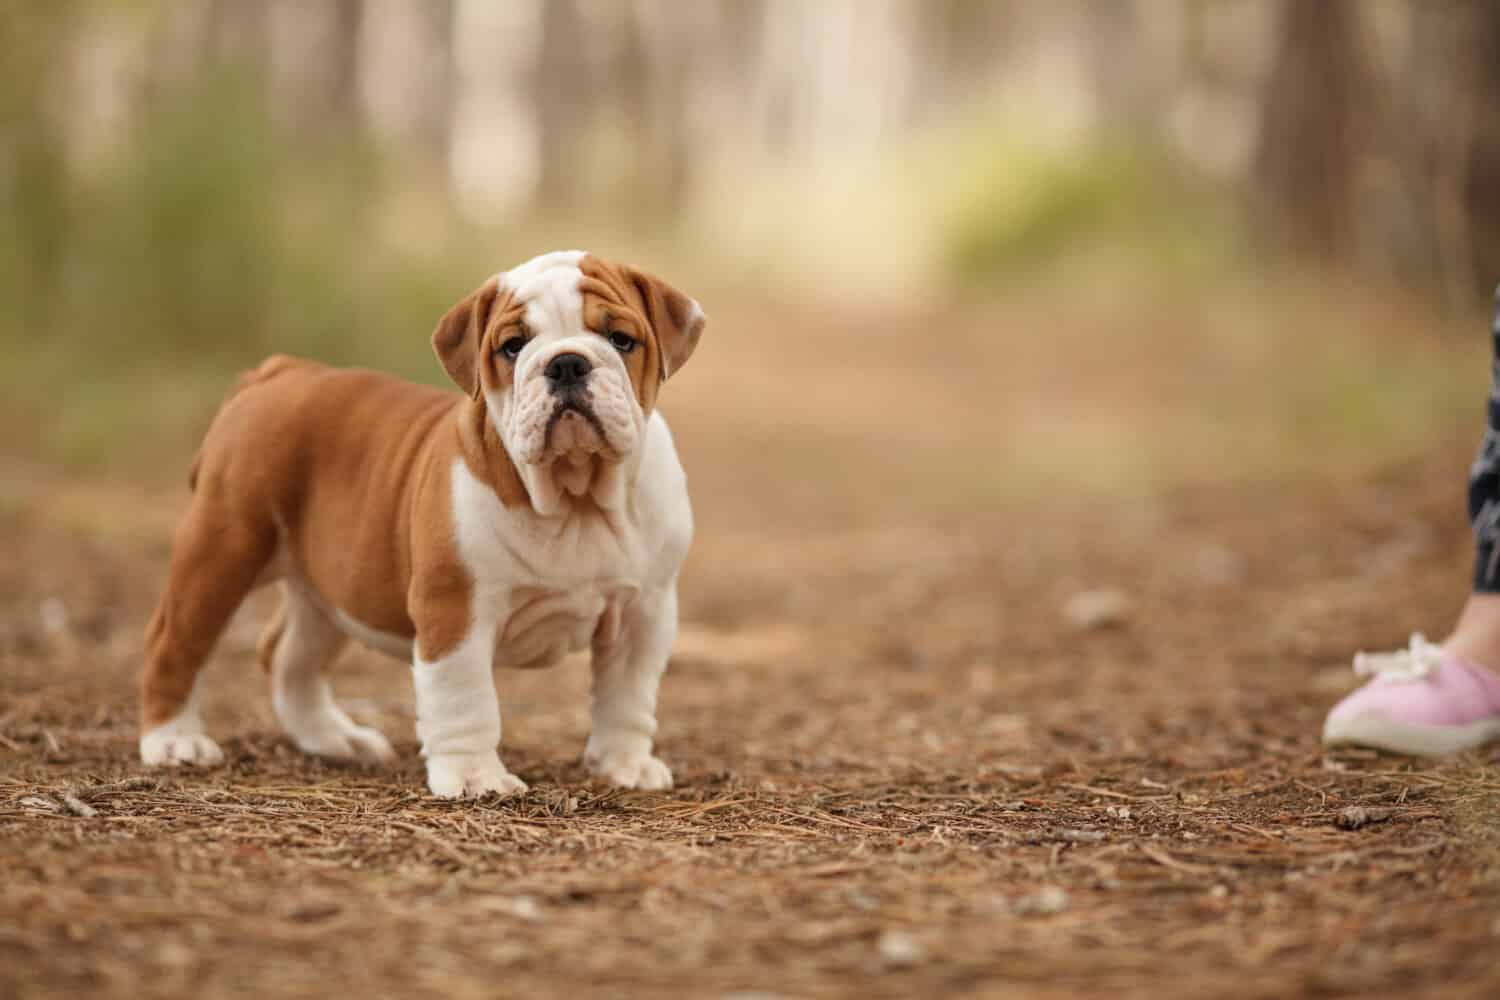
(676, 319)
(456, 339)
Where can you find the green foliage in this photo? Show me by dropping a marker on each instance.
(182, 242)
(208, 244)
(33, 183)
(1015, 211)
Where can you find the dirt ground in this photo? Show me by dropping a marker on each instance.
(904, 769)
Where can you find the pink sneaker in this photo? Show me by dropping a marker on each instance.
(1421, 701)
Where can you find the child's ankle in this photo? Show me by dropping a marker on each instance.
(1476, 637)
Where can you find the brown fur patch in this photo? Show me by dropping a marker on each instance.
(675, 320)
(506, 321)
(609, 307)
(457, 337)
(342, 475)
(665, 321)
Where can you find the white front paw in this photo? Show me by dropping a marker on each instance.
(167, 746)
(348, 742)
(456, 775)
(629, 769)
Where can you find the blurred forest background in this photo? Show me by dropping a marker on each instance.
(188, 185)
(1083, 383)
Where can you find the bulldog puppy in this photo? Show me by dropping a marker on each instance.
(541, 511)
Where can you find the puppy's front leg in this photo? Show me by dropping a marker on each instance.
(458, 720)
(627, 672)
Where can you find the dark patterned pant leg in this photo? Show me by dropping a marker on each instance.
(1484, 481)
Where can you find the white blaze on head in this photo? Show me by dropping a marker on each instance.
(549, 288)
(549, 285)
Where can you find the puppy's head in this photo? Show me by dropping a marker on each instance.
(568, 351)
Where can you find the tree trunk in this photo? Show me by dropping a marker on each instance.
(343, 75)
(556, 92)
(1482, 189)
(236, 34)
(1309, 136)
(435, 123)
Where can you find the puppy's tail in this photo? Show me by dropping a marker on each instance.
(266, 370)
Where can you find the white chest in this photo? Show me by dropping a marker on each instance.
(545, 587)
(536, 626)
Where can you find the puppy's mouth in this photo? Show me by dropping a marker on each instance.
(574, 431)
(566, 431)
(572, 440)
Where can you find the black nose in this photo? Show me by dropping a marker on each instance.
(567, 370)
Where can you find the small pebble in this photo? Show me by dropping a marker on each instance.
(900, 948)
(520, 907)
(1049, 899)
(54, 616)
(175, 955)
(78, 807)
(1081, 836)
(1096, 609)
(1354, 817)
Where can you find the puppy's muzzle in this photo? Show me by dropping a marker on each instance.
(566, 373)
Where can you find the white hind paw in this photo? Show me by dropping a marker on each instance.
(343, 740)
(370, 745)
(167, 746)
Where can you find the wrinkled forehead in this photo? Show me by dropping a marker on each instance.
(548, 289)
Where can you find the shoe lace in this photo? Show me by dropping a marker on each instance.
(1416, 661)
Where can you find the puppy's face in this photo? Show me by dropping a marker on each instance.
(568, 352)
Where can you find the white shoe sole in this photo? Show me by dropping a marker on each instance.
(1406, 737)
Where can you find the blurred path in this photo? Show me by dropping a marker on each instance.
(913, 759)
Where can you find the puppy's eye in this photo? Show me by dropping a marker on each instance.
(512, 347)
(622, 342)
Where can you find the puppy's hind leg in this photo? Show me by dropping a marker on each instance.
(295, 647)
(215, 563)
